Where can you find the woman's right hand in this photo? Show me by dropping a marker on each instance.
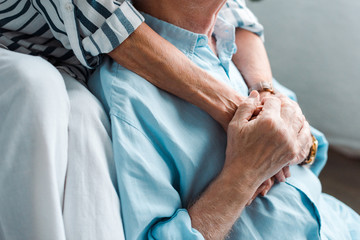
(259, 148)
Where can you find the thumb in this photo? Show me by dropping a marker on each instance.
(247, 108)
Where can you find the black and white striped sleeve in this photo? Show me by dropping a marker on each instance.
(89, 27)
(105, 24)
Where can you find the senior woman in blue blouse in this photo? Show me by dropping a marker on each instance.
(181, 177)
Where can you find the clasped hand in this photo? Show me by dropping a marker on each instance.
(264, 138)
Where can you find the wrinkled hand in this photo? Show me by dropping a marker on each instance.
(298, 120)
(260, 147)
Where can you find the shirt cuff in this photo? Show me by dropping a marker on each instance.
(177, 227)
(114, 30)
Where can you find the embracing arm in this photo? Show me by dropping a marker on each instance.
(176, 74)
(110, 27)
(97, 27)
(251, 58)
(183, 78)
(169, 69)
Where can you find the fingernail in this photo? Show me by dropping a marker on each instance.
(254, 94)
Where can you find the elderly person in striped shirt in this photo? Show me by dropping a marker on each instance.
(181, 177)
(56, 169)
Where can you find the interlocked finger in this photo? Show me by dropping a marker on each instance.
(280, 176)
(247, 108)
(268, 185)
(286, 171)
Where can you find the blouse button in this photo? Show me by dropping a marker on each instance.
(69, 7)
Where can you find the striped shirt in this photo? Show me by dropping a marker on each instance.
(72, 34)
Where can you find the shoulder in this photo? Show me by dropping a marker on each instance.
(123, 92)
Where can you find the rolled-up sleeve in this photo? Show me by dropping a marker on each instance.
(148, 187)
(238, 14)
(105, 24)
(92, 27)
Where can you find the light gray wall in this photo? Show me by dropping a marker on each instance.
(314, 49)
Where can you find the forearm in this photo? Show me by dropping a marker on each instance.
(251, 58)
(162, 64)
(220, 206)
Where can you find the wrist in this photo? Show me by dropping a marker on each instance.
(219, 206)
(241, 180)
(262, 86)
(221, 102)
